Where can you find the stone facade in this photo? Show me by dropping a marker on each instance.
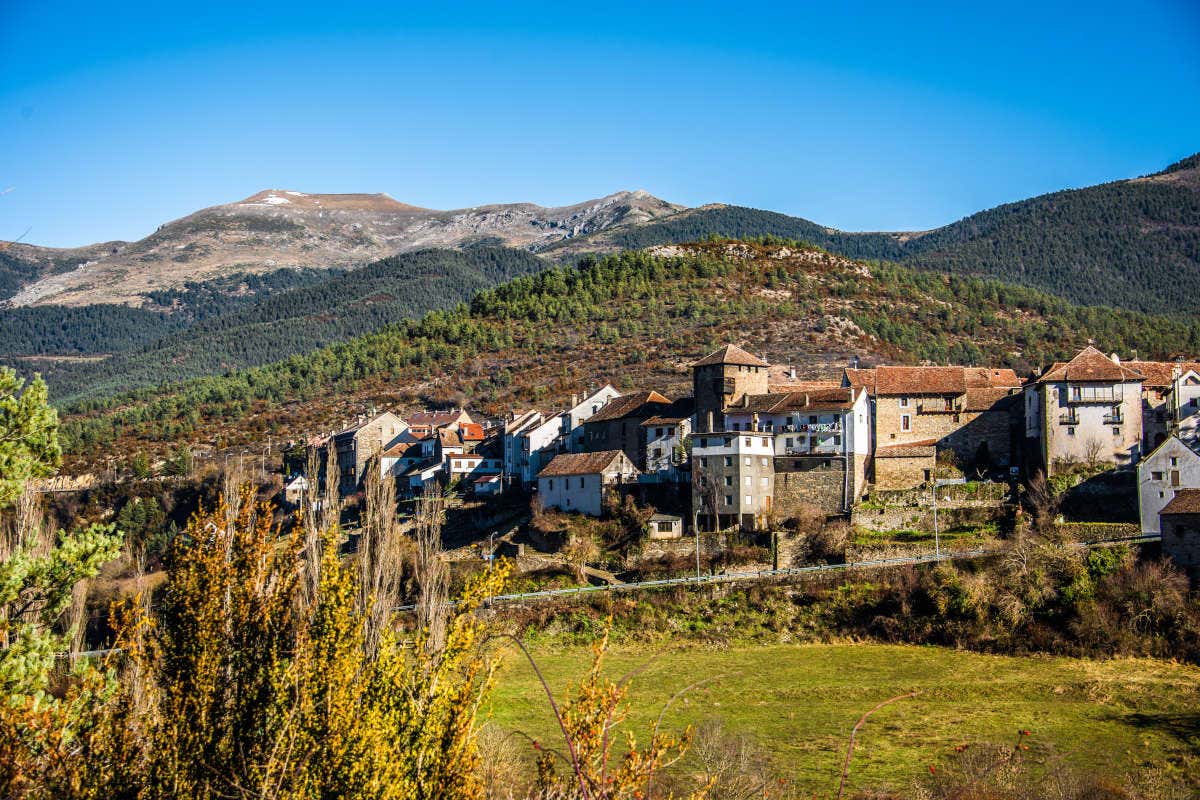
(1181, 541)
(903, 472)
(358, 444)
(811, 481)
(720, 380)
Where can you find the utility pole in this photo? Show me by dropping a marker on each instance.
(696, 533)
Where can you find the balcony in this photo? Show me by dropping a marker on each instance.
(1113, 419)
(1068, 419)
(1093, 394)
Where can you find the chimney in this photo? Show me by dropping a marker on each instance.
(708, 421)
(806, 399)
(1116, 359)
(574, 400)
(793, 373)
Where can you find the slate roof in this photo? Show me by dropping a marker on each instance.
(1186, 501)
(1160, 374)
(731, 354)
(631, 405)
(565, 464)
(1089, 365)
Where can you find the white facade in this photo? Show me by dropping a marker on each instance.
(734, 471)
(665, 452)
(581, 490)
(1172, 466)
(1078, 422)
(1183, 406)
(574, 417)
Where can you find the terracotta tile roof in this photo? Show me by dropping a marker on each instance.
(639, 404)
(681, 409)
(926, 448)
(434, 419)
(998, 398)
(860, 378)
(837, 398)
(401, 449)
(776, 387)
(1160, 374)
(581, 463)
(1089, 365)
(919, 380)
(471, 431)
(990, 378)
(1186, 501)
(731, 354)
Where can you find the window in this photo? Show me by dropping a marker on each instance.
(812, 420)
(749, 501)
(747, 481)
(1194, 402)
(1174, 461)
(728, 499)
(704, 461)
(658, 452)
(1174, 477)
(789, 421)
(837, 439)
(763, 482)
(1156, 476)
(581, 483)
(747, 461)
(905, 422)
(762, 462)
(551, 486)
(1116, 431)
(788, 442)
(904, 402)
(1162, 494)
(729, 480)
(729, 461)
(748, 441)
(766, 442)
(1071, 431)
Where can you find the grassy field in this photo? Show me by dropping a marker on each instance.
(799, 703)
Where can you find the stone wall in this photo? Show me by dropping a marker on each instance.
(920, 518)
(1181, 541)
(902, 473)
(803, 482)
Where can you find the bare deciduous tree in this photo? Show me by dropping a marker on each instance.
(433, 585)
(380, 557)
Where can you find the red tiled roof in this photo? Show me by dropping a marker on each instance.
(580, 463)
(731, 354)
(1160, 374)
(919, 380)
(644, 403)
(923, 449)
(860, 378)
(834, 398)
(1186, 501)
(998, 397)
(1089, 365)
(400, 449)
(471, 431)
(990, 378)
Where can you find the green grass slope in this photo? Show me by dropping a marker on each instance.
(798, 703)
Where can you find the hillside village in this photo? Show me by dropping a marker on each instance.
(753, 448)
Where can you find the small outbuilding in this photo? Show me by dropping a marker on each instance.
(1180, 522)
(665, 526)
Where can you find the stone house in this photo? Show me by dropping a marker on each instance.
(618, 425)
(358, 444)
(427, 423)
(1181, 530)
(821, 440)
(578, 481)
(666, 435)
(733, 479)
(532, 439)
(1168, 469)
(1088, 409)
(1169, 398)
(971, 412)
(295, 490)
(720, 379)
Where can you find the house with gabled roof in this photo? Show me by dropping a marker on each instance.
(1180, 524)
(357, 444)
(578, 481)
(618, 424)
(666, 434)
(1166, 470)
(1088, 409)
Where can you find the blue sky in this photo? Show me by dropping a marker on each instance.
(115, 118)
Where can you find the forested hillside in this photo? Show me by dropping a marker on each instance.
(324, 308)
(1132, 244)
(636, 320)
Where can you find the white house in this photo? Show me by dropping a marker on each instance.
(1172, 466)
(666, 437)
(578, 481)
(530, 441)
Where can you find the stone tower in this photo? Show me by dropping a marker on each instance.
(721, 379)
